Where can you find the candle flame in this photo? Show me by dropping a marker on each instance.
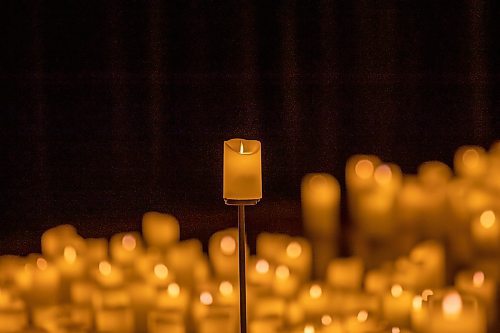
(362, 316)
(364, 169)
(282, 272)
(294, 250)
(452, 304)
(129, 243)
(105, 268)
(262, 266)
(309, 329)
(69, 254)
(395, 330)
(41, 263)
(226, 288)
(396, 290)
(426, 293)
(487, 219)
(478, 279)
(315, 291)
(383, 174)
(161, 271)
(417, 302)
(326, 320)
(470, 158)
(228, 245)
(173, 290)
(242, 149)
(206, 298)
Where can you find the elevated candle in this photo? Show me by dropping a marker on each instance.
(242, 170)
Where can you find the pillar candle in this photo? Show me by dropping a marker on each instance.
(419, 314)
(160, 230)
(71, 266)
(269, 245)
(485, 230)
(359, 173)
(55, 239)
(410, 202)
(430, 255)
(13, 316)
(361, 322)
(314, 299)
(96, 250)
(388, 178)
(174, 298)
(284, 283)
(45, 283)
(108, 275)
(297, 256)
(142, 301)
(260, 273)
(470, 162)
(345, 273)
(484, 288)
(223, 253)
(242, 170)
(125, 248)
(166, 322)
(181, 257)
(396, 306)
(434, 174)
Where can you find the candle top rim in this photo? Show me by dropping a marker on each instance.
(251, 147)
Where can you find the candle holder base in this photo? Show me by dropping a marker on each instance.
(233, 202)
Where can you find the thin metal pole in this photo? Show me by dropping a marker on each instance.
(242, 268)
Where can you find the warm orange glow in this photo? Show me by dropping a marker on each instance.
(161, 271)
(228, 245)
(395, 330)
(262, 266)
(309, 329)
(69, 254)
(452, 304)
(362, 316)
(129, 243)
(317, 181)
(326, 320)
(206, 298)
(426, 293)
(173, 290)
(282, 272)
(226, 288)
(487, 219)
(294, 250)
(242, 149)
(364, 169)
(383, 174)
(417, 302)
(396, 290)
(315, 291)
(105, 268)
(41, 263)
(478, 279)
(470, 158)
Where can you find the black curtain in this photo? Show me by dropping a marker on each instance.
(113, 108)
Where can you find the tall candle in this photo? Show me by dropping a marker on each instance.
(126, 247)
(181, 258)
(242, 170)
(160, 230)
(223, 254)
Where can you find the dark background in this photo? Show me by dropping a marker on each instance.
(111, 109)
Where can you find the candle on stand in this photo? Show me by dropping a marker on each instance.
(160, 230)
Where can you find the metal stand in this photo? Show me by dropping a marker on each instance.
(242, 260)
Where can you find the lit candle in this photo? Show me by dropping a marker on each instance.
(346, 273)
(108, 276)
(485, 230)
(71, 267)
(477, 284)
(434, 174)
(452, 313)
(314, 299)
(419, 313)
(320, 193)
(160, 230)
(396, 306)
(284, 283)
(297, 256)
(260, 273)
(270, 244)
(181, 258)
(470, 162)
(46, 283)
(227, 294)
(430, 256)
(223, 253)
(359, 173)
(242, 170)
(126, 248)
(360, 323)
(174, 298)
(56, 239)
(13, 316)
(410, 202)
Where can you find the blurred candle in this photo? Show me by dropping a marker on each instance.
(260, 273)
(181, 258)
(419, 314)
(284, 283)
(484, 288)
(242, 170)
(430, 256)
(470, 162)
(223, 254)
(160, 230)
(46, 283)
(126, 247)
(396, 306)
(314, 299)
(359, 173)
(174, 298)
(345, 273)
(485, 230)
(13, 316)
(108, 276)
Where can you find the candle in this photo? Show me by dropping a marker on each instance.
(396, 306)
(242, 170)
(126, 248)
(174, 298)
(434, 174)
(181, 257)
(485, 230)
(410, 204)
(71, 266)
(284, 283)
(359, 173)
(297, 256)
(260, 273)
(377, 281)
(345, 273)
(223, 254)
(108, 276)
(142, 300)
(470, 162)
(453, 313)
(419, 314)
(160, 230)
(475, 283)
(430, 256)
(320, 194)
(227, 294)
(96, 250)
(13, 316)
(56, 239)
(269, 245)
(81, 292)
(166, 322)
(314, 299)
(45, 283)
(360, 323)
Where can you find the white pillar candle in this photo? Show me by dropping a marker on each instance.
(160, 230)
(359, 173)
(470, 162)
(477, 284)
(285, 284)
(485, 230)
(242, 170)
(55, 239)
(345, 273)
(410, 201)
(227, 293)
(396, 306)
(72, 266)
(223, 253)
(260, 273)
(453, 313)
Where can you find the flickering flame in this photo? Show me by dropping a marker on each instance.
(242, 149)
(206, 298)
(426, 293)
(294, 250)
(282, 272)
(69, 254)
(452, 304)
(364, 169)
(478, 279)
(228, 245)
(129, 243)
(105, 268)
(417, 302)
(470, 158)
(309, 329)
(487, 219)
(41, 263)
(315, 291)
(326, 320)
(396, 290)
(395, 330)
(226, 288)
(173, 290)
(161, 271)
(262, 266)
(362, 316)
(383, 174)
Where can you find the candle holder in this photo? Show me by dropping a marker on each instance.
(242, 256)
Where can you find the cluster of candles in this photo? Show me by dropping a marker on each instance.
(425, 260)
